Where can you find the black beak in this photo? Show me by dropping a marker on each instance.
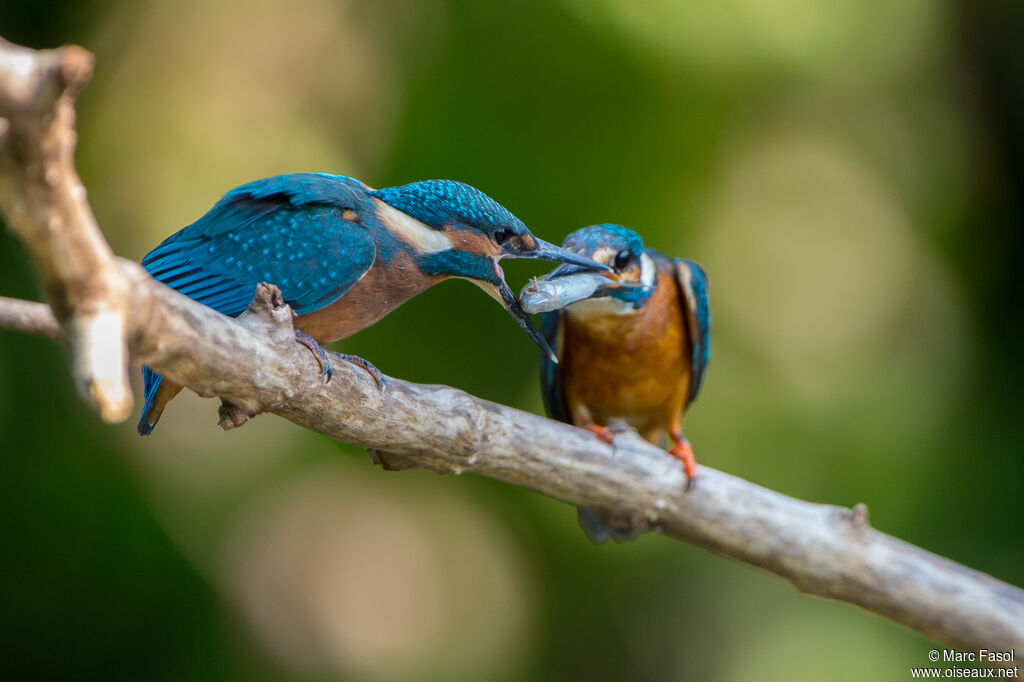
(566, 270)
(545, 251)
(501, 293)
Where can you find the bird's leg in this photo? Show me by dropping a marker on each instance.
(368, 366)
(319, 353)
(682, 451)
(602, 432)
(325, 363)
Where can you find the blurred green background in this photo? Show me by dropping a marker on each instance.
(849, 172)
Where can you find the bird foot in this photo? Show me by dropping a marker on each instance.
(318, 352)
(382, 383)
(683, 452)
(602, 432)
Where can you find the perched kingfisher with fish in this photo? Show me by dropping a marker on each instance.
(632, 344)
(343, 254)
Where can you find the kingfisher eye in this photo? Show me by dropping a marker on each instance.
(622, 259)
(501, 236)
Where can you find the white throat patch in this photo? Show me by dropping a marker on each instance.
(647, 270)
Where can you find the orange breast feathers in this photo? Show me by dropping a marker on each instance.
(377, 293)
(632, 367)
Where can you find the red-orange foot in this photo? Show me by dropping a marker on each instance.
(602, 432)
(682, 451)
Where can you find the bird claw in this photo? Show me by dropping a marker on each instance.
(684, 452)
(382, 383)
(327, 371)
(318, 352)
(602, 432)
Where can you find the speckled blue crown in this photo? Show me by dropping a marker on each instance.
(587, 240)
(441, 202)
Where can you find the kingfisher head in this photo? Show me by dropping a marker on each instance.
(629, 278)
(454, 230)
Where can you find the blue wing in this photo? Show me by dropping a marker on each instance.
(693, 283)
(551, 380)
(301, 232)
(290, 230)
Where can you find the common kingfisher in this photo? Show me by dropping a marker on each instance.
(343, 254)
(636, 349)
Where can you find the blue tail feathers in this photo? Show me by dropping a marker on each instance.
(150, 383)
(601, 530)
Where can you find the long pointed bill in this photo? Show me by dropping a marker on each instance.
(566, 271)
(545, 251)
(503, 295)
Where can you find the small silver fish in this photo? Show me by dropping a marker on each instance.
(545, 295)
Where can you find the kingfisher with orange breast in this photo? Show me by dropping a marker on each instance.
(633, 346)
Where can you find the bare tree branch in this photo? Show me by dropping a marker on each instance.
(254, 365)
(45, 204)
(35, 318)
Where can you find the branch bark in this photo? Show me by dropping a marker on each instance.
(45, 204)
(254, 365)
(35, 318)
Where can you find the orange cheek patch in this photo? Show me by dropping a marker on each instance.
(526, 242)
(633, 273)
(472, 242)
